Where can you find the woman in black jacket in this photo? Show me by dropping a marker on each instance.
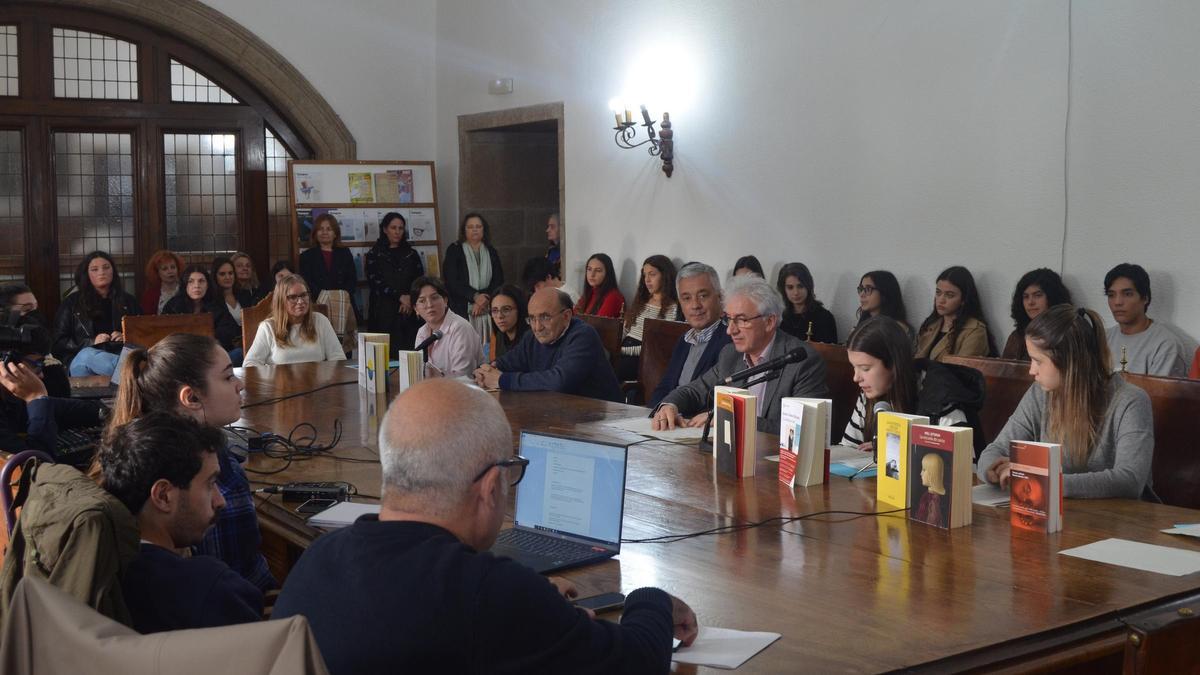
(328, 265)
(87, 328)
(472, 269)
(198, 294)
(392, 266)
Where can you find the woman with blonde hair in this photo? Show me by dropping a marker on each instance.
(246, 279)
(1105, 425)
(294, 333)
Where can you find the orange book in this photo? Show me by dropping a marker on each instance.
(734, 443)
(1035, 486)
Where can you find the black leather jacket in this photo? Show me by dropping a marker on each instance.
(73, 328)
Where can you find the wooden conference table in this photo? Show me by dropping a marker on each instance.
(849, 594)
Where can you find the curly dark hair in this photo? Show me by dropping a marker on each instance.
(154, 447)
(1050, 283)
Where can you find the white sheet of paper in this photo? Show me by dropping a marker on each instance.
(1148, 557)
(644, 426)
(1189, 530)
(341, 515)
(850, 456)
(987, 494)
(723, 647)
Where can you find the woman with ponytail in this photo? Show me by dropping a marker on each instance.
(191, 375)
(1104, 424)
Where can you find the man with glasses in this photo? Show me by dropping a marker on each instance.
(699, 289)
(565, 355)
(752, 314)
(414, 590)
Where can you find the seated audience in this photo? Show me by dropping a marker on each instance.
(279, 270)
(748, 264)
(18, 309)
(538, 274)
(420, 570)
(191, 376)
(1137, 343)
(509, 323)
(329, 265)
(164, 469)
(656, 299)
(955, 327)
(565, 355)
(87, 328)
(1036, 292)
(752, 311)
(459, 351)
(885, 371)
(879, 293)
(472, 269)
(294, 333)
(699, 290)
(247, 285)
(601, 297)
(224, 276)
(554, 236)
(162, 281)
(1104, 424)
(20, 302)
(29, 416)
(197, 296)
(804, 316)
(392, 265)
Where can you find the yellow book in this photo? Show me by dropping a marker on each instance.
(893, 434)
(364, 339)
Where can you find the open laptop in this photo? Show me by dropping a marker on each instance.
(569, 505)
(109, 390)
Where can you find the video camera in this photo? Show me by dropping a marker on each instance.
(21, 336)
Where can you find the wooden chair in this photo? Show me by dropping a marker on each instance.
(659, 338)
(146, 331)
(251, 317)
(610, 334)
(1175, 471)
(1162, 640)
(1005, 382)
(839, 376)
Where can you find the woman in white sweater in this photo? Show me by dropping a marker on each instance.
(294, 333)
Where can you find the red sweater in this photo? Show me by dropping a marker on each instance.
(611, 306)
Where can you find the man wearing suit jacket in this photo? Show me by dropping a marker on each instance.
(753, 309)
(699, 289)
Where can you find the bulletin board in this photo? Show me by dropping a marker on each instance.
(358, 194)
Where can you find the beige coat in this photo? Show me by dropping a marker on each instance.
(970, 341)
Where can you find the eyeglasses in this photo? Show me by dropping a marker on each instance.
(516, 460)
(503, 311)
(297, 298)
(866, 290)
(742, 322)
(542, 318)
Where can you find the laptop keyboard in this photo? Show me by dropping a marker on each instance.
(77, 446)
(557, 549)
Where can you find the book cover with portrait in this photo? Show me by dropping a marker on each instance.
(939, 475)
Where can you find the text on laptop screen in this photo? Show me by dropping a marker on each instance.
(572, 486)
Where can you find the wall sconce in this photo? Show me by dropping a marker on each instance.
(661, 146)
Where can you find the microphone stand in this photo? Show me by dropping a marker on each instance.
(765, 377)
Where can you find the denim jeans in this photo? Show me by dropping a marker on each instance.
(92, 361)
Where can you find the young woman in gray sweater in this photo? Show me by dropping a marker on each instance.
(1104, 424)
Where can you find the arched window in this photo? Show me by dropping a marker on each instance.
(114, 135)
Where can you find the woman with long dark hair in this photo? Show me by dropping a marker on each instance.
(1036, 292)
(804, 316)
(956, 326)
(656, 299)
(87, 328)
(224, 279)
(600, 297)
(1105, 425)
(879, 295)
(392, 265)
(197, 295)
(509, 309)
(472, 269)
(748, 264)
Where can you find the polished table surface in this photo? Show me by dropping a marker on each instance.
(848, 593)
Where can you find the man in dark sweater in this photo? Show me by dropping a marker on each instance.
(414, 590)
(560, 353)
(164, 468)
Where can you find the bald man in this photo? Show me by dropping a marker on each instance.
(414, 590)
(560, 353)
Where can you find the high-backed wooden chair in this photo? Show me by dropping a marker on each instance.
(1176, 467)
(659, 338)
(839, 376)
(1005, 382)
(146, 331)
(251, 317)
(610, 334)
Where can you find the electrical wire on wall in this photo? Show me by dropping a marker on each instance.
(1062, 263)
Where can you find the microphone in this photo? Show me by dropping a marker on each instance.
(795, 356)
(882, 406)
(433, 337)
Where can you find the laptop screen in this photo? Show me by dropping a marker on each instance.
(573, 487)
(115, 380)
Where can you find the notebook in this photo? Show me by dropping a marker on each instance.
(569, 505)
(109, 390)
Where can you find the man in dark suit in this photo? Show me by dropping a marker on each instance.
(699, 289)
(752, 311)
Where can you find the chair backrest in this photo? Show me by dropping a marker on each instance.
(839, 376)
(251, 317)
(1162, 640)
(1176, 466)
(145, 331)
(1005, 382)
(610, 334)
(13, 466)
(659, 338)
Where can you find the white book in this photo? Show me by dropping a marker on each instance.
(342, 514)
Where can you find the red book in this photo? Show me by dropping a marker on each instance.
(736, 414)
(1035, 486)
